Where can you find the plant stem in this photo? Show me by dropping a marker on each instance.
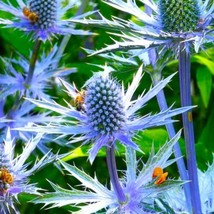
(111, 163)
(156, 77)
(66, 38)
(185, 93)
(18, 99)
(33, 59)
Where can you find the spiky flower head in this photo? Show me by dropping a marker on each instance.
(105, 107)
(179, 16)
(44, 18)
(105, 112)
(6, 174)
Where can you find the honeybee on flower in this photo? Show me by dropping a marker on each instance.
(42, 18)
(78, 101)
(32, 16)
(14, 174)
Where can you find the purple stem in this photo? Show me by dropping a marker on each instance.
(33, 62)
(156, 77)
(34, 56)
(185, 93)
(111, 163)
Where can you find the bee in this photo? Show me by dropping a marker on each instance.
(5, 176)
(26, 11)
(160, 175)
(79, 100)
(32, 16)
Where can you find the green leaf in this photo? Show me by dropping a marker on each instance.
(205, 145)
(19, 41)
(76, 153)
(146, 138)
(204, 82)
(207, 137)
(204, 61)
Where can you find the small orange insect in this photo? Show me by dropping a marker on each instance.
(26, 11)
(5, 176)
(158, 173)
(79, 100)
(32, 16)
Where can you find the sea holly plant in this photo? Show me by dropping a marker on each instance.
(107, 112)
(14, 173)
(104, 112)
(170, 24)
(44, 20)
(143, 188)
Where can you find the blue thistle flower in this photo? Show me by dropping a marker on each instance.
(13, 81)
(170, 24)
(41, 17)
(139, 186)
(14, 173)
(105, 113)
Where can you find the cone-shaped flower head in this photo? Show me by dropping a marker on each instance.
(45, 12)
(44, 18)
(105, 112)
(6, 174)
(179, 16)
(105, 106)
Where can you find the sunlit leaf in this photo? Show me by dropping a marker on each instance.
(204, 81)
